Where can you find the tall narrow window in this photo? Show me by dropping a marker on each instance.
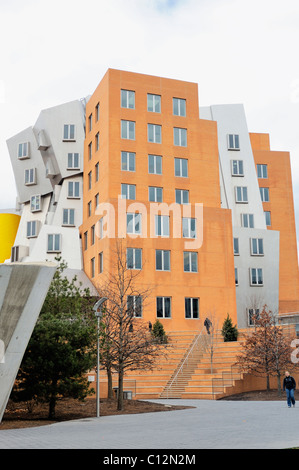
(190, 262)
(155, 194)
(128, 191)
(257, 246)
(247, 220)
(23, 150)
(262, 171)
(35, 203)
(180, 137)
(237, 168)
(191, 307)
(154, 133)
(162, 225)
(101, 262)
(268, 218)
(68, 217)
(128, 99)
(236, 277)
(90, 122)
(163, 307)
(30, 176)
(128, 130)
(32, 229)
(236, 246)
(73, 161)
(181, 196)
(241, 194)
(189, 227)
(54, 243)
(256, 277)
(97, 171)
(128, 161)
(155, 164)
(179, 107)
(181, 167)
(73, 189)
(69, 132)
(264, 194)
(134, 223)
(97, 141)
(162, 260)
(233, 142)
(134, 258)
(97, 109)
(92, 266)
(154, 103)
(134, 306)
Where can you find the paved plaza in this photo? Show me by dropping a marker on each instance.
(209, 425)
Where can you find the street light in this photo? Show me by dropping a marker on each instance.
(98, 313)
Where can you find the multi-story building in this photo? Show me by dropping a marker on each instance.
(203, 207)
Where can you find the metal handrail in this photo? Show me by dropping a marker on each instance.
(195, 343)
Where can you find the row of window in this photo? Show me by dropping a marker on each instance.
(247, 220)
(256, 277)
(256, 247)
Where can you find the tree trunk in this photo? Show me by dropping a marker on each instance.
(110, 388)
(279, 384)
(120, 401)
(52, 404)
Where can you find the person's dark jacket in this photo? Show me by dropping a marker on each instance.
(289, 383)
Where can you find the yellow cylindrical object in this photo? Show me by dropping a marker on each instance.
(9, 224)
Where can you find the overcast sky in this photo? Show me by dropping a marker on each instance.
(238, 51)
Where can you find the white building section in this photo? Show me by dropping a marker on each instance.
(47, 161)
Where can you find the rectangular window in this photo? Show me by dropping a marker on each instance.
(90, 151)
(128, 161)
(89, 209)
(134, 258)
(268, 218)
(90, 122)
(162, 225)
(92, 235)
(54, 243)
(92, 266)
(68, 217)
(236, 246)
(134, 306)
(23, 150)
(180, 137)
(73, 189)
(264, 194)
(162, 260)
(97, 171)
(90, 180)
(262, 171)
(191, 307)
(97, 110)
(236, 277)
(189, 227)
(73, 161)
(101, 227)
(96, 200)
(181, 196)
(97, 141)
(163, 307)
(154, 103)
(128, 130)
(128, 191)
(128, 99)
(32, 229)
(30, 176)
(253, 315)
(179, 107)
(85, 240)
(101, 262)
(256, 277)
(257, 246)
(233, 142)
(237, 168)
(190, 262)
(241, 194)
(134, 223)
(69, 132)
(155, 194)
(181, 167)
(35, 203)
(155, 164)
(154, 133)
(247, 220)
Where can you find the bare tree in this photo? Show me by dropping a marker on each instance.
(128, 343)
(211, 324)
(266, 351)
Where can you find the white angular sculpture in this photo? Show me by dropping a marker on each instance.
(23, 288)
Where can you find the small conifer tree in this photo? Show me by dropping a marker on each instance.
(229, 331)
(159, 333)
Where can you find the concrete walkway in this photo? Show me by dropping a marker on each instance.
(210, 425)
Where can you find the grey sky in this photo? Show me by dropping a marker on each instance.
(238, 51)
